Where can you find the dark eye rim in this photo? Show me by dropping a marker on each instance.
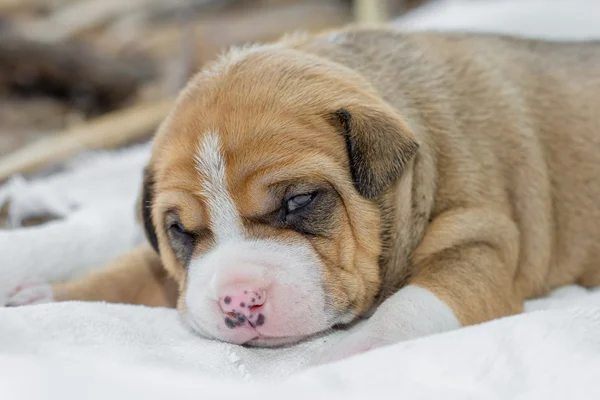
(178, 228)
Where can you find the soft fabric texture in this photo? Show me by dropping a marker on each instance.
(80, 350)
(100, 351)
(94, 201)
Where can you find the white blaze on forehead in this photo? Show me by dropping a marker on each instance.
(210, 164)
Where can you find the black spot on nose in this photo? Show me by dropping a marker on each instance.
(260, 320)
(230, 324)
(253, 299)
(241, 318)
(227, 300)
(242, 304)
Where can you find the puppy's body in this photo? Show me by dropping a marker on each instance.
(507, 127)
(498, 204)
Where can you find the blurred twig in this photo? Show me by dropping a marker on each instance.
(109, 131)
(371, 11)
(76, 18)
(69, 71)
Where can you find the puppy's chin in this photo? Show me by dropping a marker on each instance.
(343, 321)
(258, 340)
(277, 341)
(252, 337)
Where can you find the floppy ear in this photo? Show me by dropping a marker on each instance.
(145, 208)
(379, 145)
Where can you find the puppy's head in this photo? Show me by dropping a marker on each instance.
(261, 195)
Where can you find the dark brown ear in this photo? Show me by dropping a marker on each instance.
(145, 208)
(379, 144)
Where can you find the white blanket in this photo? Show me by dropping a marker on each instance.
(102, 351)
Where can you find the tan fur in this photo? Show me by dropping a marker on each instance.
(134, 278)
(499, 204)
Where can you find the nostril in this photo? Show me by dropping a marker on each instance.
(243, 306)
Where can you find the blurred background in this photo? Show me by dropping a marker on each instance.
(64, 63)
(99, 74)
(80, 75)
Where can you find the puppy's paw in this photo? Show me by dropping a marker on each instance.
(30, 293)
(356, 343)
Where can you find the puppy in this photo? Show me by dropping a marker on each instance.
(436, 179)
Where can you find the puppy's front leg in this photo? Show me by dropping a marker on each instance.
(465, 269)
(134, 278)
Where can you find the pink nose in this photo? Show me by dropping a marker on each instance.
(245, 306)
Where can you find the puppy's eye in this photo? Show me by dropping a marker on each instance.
(300, 201)
(182, 241)
(178, 229)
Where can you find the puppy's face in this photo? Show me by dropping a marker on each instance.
(260, 196)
